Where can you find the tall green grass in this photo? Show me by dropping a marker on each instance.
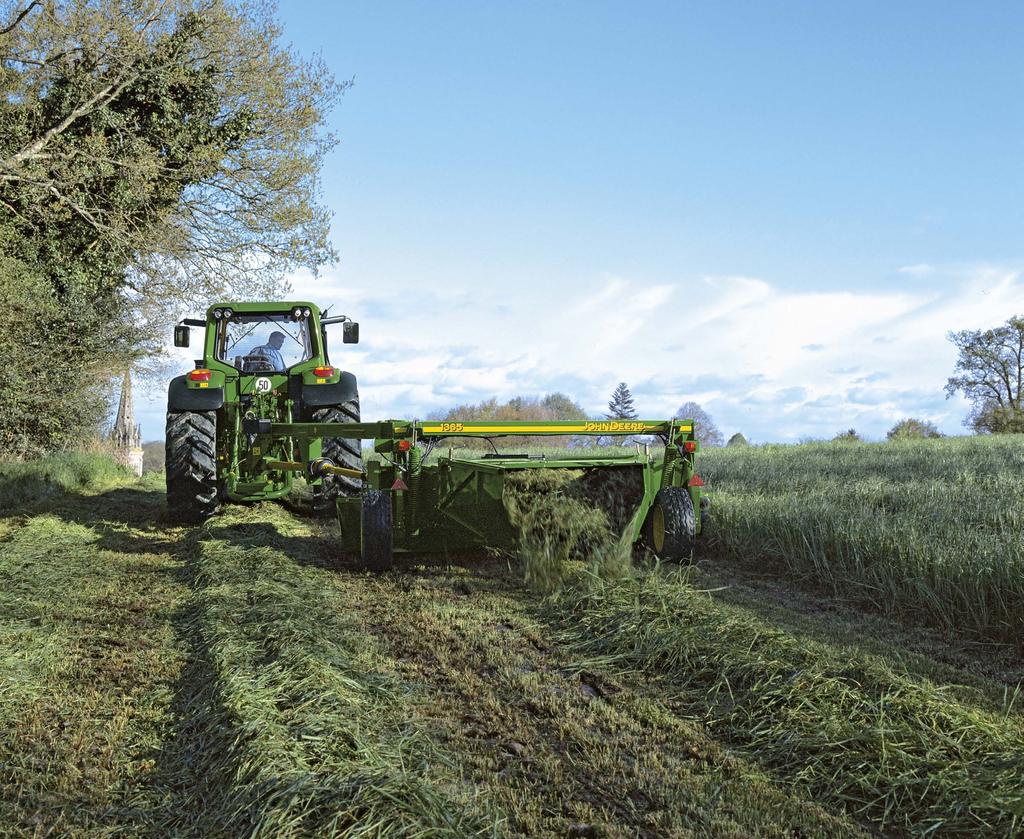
(929, 530)
(24, 482)
(903, 753)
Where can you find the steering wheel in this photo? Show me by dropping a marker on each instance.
(256, 364)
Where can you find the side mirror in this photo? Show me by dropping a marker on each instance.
(350, 332)
(181, 335)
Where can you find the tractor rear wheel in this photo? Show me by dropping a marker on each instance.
(191, 465)
(342, 452)
(671, 526)
(376, 535)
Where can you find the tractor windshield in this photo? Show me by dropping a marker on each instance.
(263, 343)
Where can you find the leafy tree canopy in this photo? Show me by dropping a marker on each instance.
(707, 432)
(990, 373)
(554, 406)
(153, 154)
(737, 439)
(913, 429)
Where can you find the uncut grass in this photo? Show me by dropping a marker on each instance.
(298, 734)
(905, 753)
(928, 531)
(25, 482)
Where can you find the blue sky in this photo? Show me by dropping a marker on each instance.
(778, 210)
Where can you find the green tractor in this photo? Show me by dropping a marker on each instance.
(266, 360)
(265, 404)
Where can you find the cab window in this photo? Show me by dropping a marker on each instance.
(263, 343)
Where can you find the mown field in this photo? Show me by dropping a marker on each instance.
(243, 679)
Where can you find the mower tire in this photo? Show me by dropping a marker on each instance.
(191, 465)
(376, 539)
(670, 530)
(342, 452)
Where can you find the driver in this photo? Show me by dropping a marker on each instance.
(271, 350)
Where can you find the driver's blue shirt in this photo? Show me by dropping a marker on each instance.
(271, 354)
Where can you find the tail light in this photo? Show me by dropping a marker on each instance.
(690, 446)
(323, 372)
(200, 375)
(403, 445)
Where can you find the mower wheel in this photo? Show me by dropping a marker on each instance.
(376, 537)
(342, 452)
(191, 465)
(671, 526)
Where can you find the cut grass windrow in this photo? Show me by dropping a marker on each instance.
(88, 661)
(899, 751)
(289, 731)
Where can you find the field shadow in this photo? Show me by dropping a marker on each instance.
(194, 766)
(811, 613)
(130, 520)
(477, 570)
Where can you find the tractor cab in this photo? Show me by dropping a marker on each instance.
(255, 339)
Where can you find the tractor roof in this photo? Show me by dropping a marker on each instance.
(250, 307)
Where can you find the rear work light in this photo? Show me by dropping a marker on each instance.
(690, 446)
(199, 375)
(323, 372)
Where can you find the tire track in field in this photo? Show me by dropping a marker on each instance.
(562, 753)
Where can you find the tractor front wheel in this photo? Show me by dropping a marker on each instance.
(671, 526)
(191, 465)
(376, 536)
(342, 452)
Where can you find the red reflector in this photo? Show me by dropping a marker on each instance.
(690, 446)
(403, 445)
(199, 375)
(323, 372)
(399, 484)
(695, 481)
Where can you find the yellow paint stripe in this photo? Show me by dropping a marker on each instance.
(534, 429)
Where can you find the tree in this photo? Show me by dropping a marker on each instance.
(990, 373)
(621, 405)
(737, 439)
(707, 432)
(554, 406)
(176, 136)
(848, 436)
(913, 429)
(153, 153)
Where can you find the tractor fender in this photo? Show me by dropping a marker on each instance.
(320, 396)
(181, 397)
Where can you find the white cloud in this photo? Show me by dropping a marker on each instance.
(773, 363)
